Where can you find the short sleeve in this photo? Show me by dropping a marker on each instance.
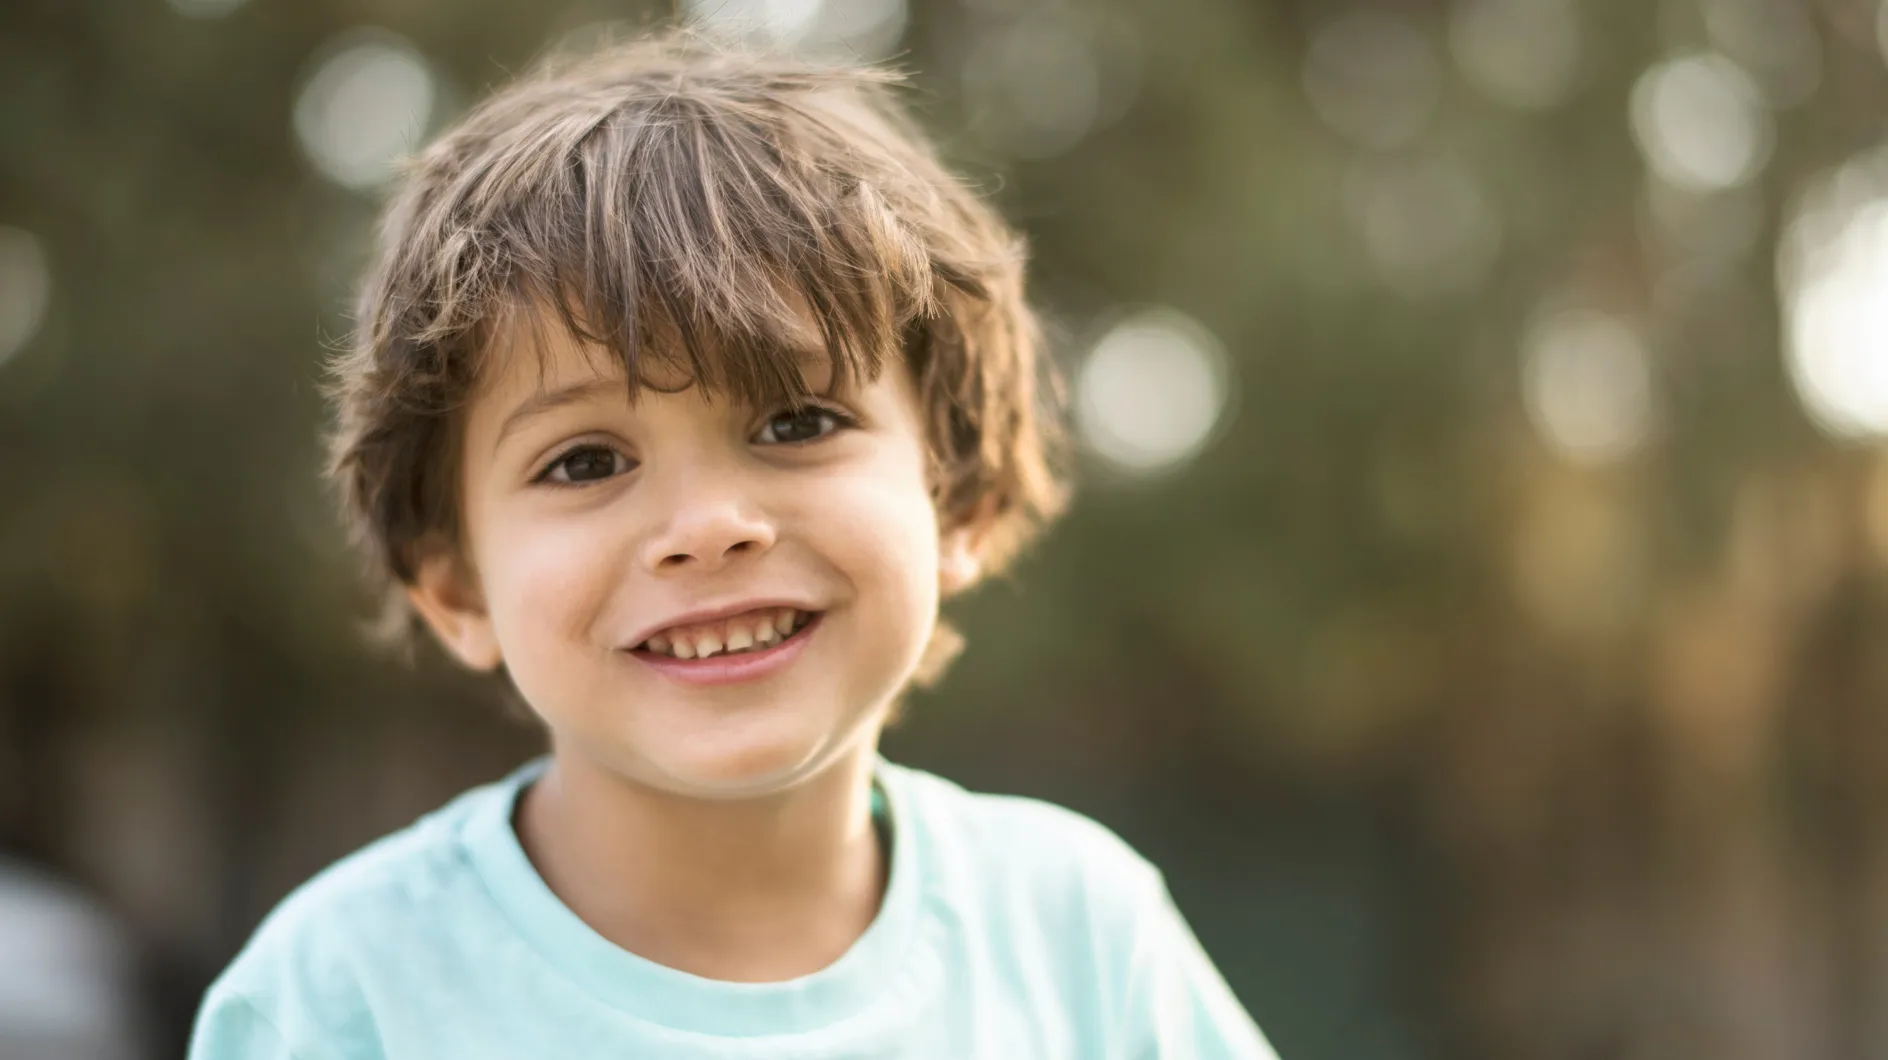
(269, 1024)
(1178, 1005)
(231, 1028)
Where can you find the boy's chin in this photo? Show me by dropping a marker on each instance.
(738, 772)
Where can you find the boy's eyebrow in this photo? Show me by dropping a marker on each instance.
(545, 400)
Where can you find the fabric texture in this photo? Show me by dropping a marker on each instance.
(1009, 928)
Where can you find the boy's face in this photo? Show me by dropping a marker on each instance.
(603, 538)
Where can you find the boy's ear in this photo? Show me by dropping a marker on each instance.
(446, 595)
(960, 549)
(958, 563)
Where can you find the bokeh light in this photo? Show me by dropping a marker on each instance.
(1587, 385)
(852, 29)
(1524, 53)
(1832, 268)
(1035, 87)
(861, 29)
(1373, 78)
(25, 289)
(1151, 392)
(365, 107)
(784, 21)
(1427, 225)
(205, 8)
(1701, 122)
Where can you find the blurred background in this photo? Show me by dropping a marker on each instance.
(1477, 600)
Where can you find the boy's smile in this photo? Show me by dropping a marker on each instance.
(751, 643)
(741, 628)
(698, 596)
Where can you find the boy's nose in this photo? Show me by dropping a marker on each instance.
(706, 537)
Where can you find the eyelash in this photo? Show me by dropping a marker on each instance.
(543, 477)
(841, 421)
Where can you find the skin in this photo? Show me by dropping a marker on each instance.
(723, 831)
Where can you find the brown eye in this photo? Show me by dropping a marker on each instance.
(797, 425)
(589, 463)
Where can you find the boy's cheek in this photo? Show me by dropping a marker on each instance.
(547, 580)
(864, 513)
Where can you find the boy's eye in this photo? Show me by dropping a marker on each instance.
(587, 463)
(798, 425)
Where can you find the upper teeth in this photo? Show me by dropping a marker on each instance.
(742, 633)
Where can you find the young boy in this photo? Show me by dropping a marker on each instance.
(687, 383)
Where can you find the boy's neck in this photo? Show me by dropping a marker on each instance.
(753, 890)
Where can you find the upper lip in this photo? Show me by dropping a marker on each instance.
(716, 614)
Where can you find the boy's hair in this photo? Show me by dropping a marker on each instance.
(674, 200)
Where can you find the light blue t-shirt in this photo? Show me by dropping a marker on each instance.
(1010, 928)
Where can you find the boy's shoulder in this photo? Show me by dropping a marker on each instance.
(371, 903)
(1040, 832)
(1011, 848)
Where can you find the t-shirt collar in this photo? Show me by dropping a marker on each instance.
(866, 974)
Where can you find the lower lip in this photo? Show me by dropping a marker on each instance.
(732, 669)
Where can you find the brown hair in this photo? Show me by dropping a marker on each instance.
(685, 190)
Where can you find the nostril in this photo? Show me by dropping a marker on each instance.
(712, 553)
